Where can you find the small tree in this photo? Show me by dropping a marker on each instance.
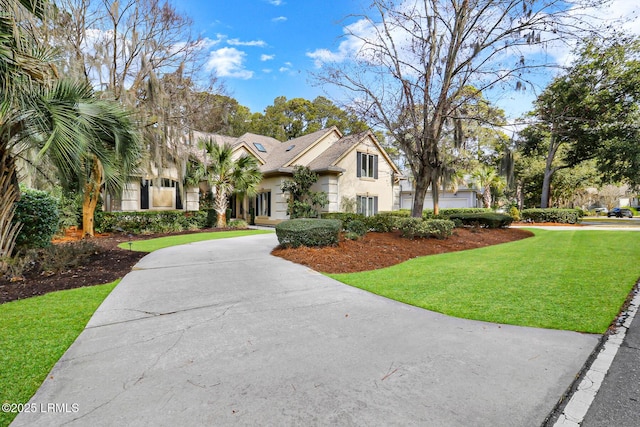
(304, 203)
(227, 176)
(487, 178)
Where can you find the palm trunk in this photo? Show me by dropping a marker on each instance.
(486, 197)
(9, 195)
(220, 206)
(90, 198)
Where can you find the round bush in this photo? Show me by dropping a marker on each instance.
(308, 232)
(38, 213)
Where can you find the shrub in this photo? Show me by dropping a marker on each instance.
(484, 219)
(515, 213)
(562, 216)
(238, 223)
(150, 222)
(357, 227)
(38, 213)
(308, 232)
(56, 258)
(352, 236)
(384, 222)
(447, 212)
(417, 227)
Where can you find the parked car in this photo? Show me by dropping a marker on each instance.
(600, 211)
(620, 213)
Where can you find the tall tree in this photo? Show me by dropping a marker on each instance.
(582, 112)
(142, 54)
(414, 60)
(288, 119)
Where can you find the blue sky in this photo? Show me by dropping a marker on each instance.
(259, 47)
(262, 49)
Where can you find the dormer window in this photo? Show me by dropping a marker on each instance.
(259, 147)
(291, 147)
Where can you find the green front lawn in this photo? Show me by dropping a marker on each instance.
(35, 334)
(182, 239)
(573, 280)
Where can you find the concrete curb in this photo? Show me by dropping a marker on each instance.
(595, 370)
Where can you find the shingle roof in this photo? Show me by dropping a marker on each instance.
(329, 157)
(280, 156)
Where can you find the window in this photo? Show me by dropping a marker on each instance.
(260, 147)
(263, 204)
(367, 205)
(367, 165)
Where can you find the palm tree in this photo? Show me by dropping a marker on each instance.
(62, 120)
(487, 178)
(227, 176)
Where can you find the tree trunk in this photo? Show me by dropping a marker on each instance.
(486, 197)
(422, 186)
(220, 206)
(435, 192)
(549, 170)
(90, 198)
(9, 195)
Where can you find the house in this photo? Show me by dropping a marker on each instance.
(353, 170)
(463, 197)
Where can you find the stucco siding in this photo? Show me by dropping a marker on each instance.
(351, 186)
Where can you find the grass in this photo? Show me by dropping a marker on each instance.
(182, 239)
(572, 280)
(35, 334)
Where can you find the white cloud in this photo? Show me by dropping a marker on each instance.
(267, 70)
(237, 42)
(279, 19)
(265, 57)
(283, 69)
(228, 62)
(275, 2)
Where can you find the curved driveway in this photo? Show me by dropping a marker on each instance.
(222, 333)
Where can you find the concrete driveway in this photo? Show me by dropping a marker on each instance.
(222, 333)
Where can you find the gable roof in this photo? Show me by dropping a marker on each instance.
(280, 157)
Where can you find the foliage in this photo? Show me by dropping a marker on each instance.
(514, 212)
(483, 219)
(564, 285)
(37, 211)
(64, 256)
(348, 204)
(588, 111)
(308, 232)
(69, 206)
(417, 67)
(417, 227)
(562, 216)
(289, 119)
(150, 222)
(35, 334)
(303, 203)
(447, 212)
(356, 227)
(240, 224)
(226, 176)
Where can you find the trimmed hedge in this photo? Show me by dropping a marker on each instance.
(483, 219)
(357, 227)
(38, 213)
(382, 222)
(447, 212)
(562, 216)
(150, 221)
(308, 232)
(417, 227)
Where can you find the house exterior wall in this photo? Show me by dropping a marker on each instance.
(329, 185)
(464, 198)
(278, 201)
(351, 186)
